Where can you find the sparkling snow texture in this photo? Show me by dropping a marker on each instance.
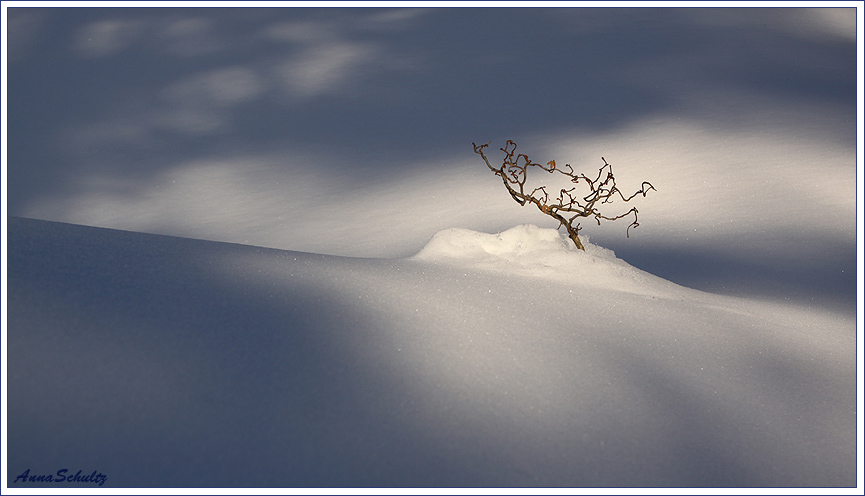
(485, 360)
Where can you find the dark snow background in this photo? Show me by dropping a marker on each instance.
(344, 135)
(349, 131)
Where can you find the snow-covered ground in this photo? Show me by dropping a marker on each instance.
(507, 359)
(421, 331)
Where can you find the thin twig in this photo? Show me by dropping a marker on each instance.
(601, 191)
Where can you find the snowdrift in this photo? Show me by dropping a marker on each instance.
(484, 360)
(528, 250)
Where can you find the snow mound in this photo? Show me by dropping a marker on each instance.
(529, 250)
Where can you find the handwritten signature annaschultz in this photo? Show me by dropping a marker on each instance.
(63, 475)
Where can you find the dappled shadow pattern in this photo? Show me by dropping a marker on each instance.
(164, 361)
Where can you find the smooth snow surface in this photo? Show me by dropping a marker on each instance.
(484, 360)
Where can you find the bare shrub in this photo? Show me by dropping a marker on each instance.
(568, 206)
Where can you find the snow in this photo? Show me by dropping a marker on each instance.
(485, 360)
(545, 253)
(253, 247)
(348, 131)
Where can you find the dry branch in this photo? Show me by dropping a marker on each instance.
(568, 206)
